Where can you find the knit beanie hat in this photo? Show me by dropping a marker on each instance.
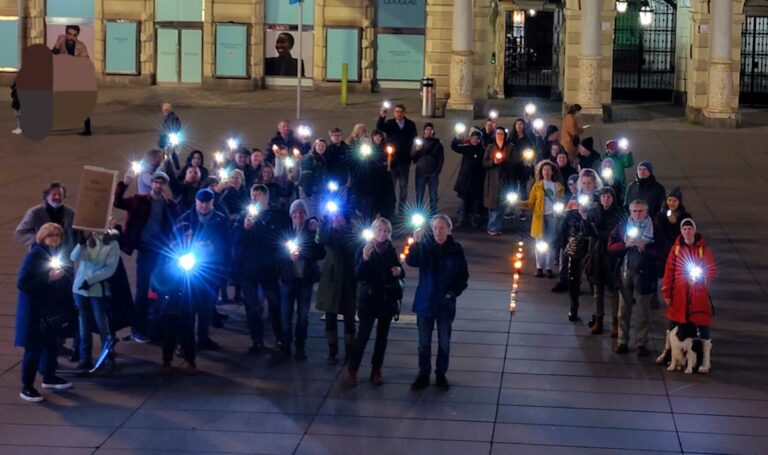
(688, 222)
(676, 193)
(298, 204)
(647, 165)
(551, 129)
(588, 143)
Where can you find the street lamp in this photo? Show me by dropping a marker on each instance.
(646, 15)
(621, 6)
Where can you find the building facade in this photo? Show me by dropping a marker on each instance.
(709, 55)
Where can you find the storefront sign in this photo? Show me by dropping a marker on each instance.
(231, 50)
(400, 57)
(121, 41)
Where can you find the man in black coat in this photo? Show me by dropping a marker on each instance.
(171, 125)
(284, 138)
(210, 242)
(400, 132)
(469, 182)
(647, 189)
(337, 156)
(258, 237)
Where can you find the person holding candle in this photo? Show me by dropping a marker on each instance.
(286, 139)
(496, 155)
(544, 194)
(184, 191)
(469, 181)
(385, 202)
(690, 269)
(44, 309)
(400, 131)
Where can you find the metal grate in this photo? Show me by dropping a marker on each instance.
(644, 57)
(528, 50)
(754, 61)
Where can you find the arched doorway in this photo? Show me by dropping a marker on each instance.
(529, 65)
(644, 56)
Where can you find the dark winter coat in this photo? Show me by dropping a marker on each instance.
(573, 235)
(314, 174)
(171, 124)
(591, 161)
(233, 201)
(138, 208)
(289, 143)
(602, 267)
(443, 276)
(211, 237)
(337, 288)
(37, 216)
(256, 249)
(15, 104)
(650, 258)
(40, 298)
(309, 255)
(400, 139)
(375, 282)
(337, 161)
(495, 178)
(469, 182)
(665, 232)
(648, 190)
(428, 158)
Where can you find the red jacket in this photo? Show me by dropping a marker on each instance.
(689, 301)
(138, 207)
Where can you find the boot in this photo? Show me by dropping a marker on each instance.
(662, 358)
(706, 364)
(376, 377)
(615, 327)
(349, 340)
(351, 378)
(597, 327)
(333, 346)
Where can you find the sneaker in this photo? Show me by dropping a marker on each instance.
(56, 383)
(421, 382)
(18, 131)
(441, 382)
(139, 338)
(620, 348)
(207, 344)
(30, 394)
(376, 377)
(642, 351)
(301, 354)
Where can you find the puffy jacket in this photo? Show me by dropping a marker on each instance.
(336, 291)
(443, 276)
(96, 266)
(689, 300)
(648, 190)
(649, 258)
(374, 277)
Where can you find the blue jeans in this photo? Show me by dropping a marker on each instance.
(91, 309)
(426, 325)
(495, 219)
(546, 259)
(422, 181)
(254, 309)
(299, 294)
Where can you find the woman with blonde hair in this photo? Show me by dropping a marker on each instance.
(378, 272)
(44, 310)
(359, 132)
(547, 190)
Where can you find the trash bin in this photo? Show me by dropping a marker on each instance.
(428, 97)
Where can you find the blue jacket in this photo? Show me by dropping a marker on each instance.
(210, 241)
(443, 276)
(39, 297)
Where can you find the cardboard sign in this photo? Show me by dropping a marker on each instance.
(95, 197)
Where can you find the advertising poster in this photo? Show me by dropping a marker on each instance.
(281, 51)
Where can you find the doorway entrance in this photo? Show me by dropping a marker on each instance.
(753, 85)
(179, 55)
(528, 53)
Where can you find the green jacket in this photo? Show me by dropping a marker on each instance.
(621, 161)
(336, 292)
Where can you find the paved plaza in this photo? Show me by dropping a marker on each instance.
(523, 383)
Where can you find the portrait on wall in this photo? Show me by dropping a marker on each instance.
(281, 52)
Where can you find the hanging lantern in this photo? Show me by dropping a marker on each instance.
(518, 17)
(621, 6)
(646, 15)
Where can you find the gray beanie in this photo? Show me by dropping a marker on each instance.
(298, 204)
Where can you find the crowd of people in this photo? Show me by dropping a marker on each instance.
(274, 224)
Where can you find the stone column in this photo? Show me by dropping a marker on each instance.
(35, 23)
(462, 57)
(720, 83)
(589, 58)
(147, 40)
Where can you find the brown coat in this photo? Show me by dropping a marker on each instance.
(493, 177)
(569, 133)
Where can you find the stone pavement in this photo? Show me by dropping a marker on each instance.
(529, 382)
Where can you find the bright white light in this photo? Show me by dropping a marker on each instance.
(493, 114)
(174, 139)
(623, 143)
(418, 220)
(669, 212)
(542, 246)
(218, 157)
(290, 163)
(304, 131)
(419, 142)
(621, 6)
(386, 104)
(187, 261)
(559, 208)
(136, 167)
(460, 128)
(499, 155)
(532, 12)
(538, 124)
(232, 143)
(331, 207)
(646, 16)
(365, 150)
(529, 154)
(530, 108)
(292, 246)
(296, 152)
(694, 272)
(253, 210)
(584, 200)
(223, 174)
(332, 186)
(55, 262)
(512, 197)
(607, 173)
(367, 235)
(633, 232)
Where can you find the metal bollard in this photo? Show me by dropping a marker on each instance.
(428, 97)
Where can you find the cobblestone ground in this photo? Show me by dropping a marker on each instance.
(529, 382)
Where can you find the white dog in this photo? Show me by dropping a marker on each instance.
(683, 352)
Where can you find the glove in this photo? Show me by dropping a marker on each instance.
(85, 286)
